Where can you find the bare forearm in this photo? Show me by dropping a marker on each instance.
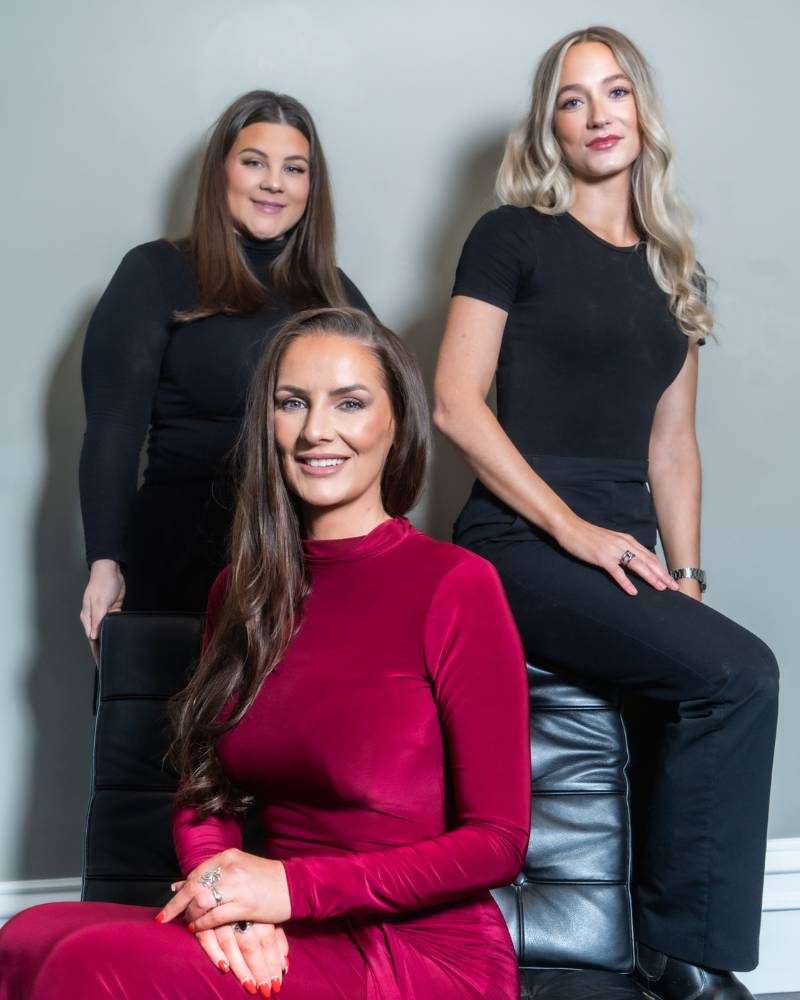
(467, 362)
(675, 482)
(476, 432)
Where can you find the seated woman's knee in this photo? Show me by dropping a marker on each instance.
(752, 671)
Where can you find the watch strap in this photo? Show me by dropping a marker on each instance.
(691, 573)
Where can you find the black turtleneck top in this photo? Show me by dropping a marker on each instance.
(184, 382)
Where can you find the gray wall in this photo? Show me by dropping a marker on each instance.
(104, 110)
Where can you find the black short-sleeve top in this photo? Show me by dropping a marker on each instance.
(589, 344)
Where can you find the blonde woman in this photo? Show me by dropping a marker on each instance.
(583, 295)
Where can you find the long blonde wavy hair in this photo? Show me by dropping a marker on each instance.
(534, 174)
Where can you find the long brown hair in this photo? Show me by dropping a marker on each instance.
(305, 271)
(269, 580)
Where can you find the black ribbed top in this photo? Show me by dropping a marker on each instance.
(184, 382)
(589, 345)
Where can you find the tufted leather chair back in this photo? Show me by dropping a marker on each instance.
(128, 852)
(569, 908)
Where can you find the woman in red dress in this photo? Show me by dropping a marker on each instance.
(364, 687)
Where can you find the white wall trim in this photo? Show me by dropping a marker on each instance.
(16, 896)
(778, 972)
(782, 879)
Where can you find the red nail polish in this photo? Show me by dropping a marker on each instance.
(265, 991)
(276, 985)
(159, 917)
(223, 966)
(250, 986)
(190, 928)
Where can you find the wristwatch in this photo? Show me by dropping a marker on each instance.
(691, 573)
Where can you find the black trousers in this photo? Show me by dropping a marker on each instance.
(178, 544)
(701, 868)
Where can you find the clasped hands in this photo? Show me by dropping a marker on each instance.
(252, 890)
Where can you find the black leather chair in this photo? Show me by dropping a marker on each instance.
(128, 852)
(568, 911)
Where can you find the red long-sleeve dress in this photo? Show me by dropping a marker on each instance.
(389, 756)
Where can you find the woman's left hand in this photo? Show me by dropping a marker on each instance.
(251, 888)
(258, 956)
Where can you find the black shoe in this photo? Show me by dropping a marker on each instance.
(663, 978)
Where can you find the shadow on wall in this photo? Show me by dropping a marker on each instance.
(178, 203)
(61, 675)
(471, 195)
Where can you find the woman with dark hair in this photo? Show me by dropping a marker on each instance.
(583, 294)
(364, 687)
(171, 348)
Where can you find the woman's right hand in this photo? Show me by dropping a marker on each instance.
(258, 957)
(104, 593)
(604, 548)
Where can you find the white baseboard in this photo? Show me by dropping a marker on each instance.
(778, 971)
(16, 896)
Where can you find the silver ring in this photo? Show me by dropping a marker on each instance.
(242, 925)
(210, 879)
(626, 557)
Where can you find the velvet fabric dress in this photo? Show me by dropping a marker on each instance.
(388, 753)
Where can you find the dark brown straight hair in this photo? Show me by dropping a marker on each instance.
(269, 580)
(305, 271)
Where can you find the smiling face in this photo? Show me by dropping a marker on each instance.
(333, 429)
(268, 178)
(595, 119)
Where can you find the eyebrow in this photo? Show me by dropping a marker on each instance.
(343, 391)
(260, 152)
(578, 86)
